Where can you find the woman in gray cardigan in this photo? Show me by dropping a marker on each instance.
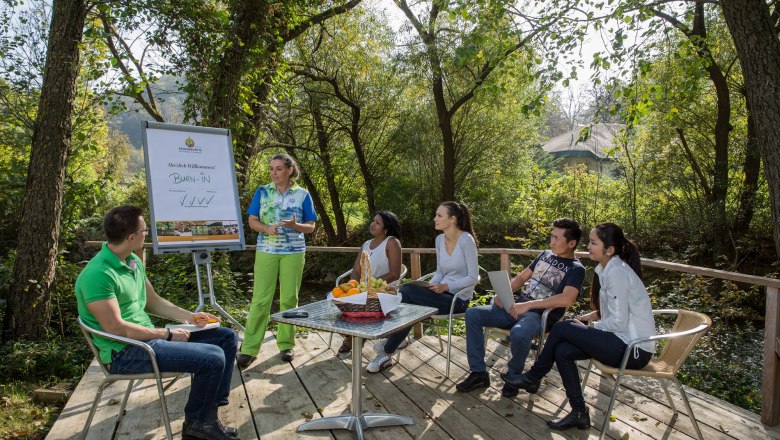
(623, 314)
(456, 269)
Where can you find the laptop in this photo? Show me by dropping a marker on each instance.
(502, 286)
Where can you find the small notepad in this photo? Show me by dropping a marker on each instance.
(192, 327)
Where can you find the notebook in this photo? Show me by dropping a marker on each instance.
(193, 327)
(502, 286)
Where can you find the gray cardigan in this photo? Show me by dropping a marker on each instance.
(460, 269)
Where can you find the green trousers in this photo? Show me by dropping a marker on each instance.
(288, 268)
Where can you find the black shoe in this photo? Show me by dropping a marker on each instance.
(287, 355)
(232, 432)
(206, 431)
(509, 391)
(346, 346)
(521, 381)
(578, 419)
(474, 381)
(244, 360)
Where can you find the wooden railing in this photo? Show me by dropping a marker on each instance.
(770, 384)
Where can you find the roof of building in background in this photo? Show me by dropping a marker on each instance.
(600, 140)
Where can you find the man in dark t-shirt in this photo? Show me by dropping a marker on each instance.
(554, 280)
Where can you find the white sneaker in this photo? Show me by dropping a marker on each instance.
(379, 347)
(380, 362)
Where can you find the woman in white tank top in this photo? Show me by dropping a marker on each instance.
(384, 251)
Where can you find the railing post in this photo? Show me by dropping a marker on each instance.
(770, 385)
(504, 262)
(415, 260)
(417, 330)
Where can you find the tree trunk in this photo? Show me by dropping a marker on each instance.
(319, 206)
(751, 168)
(28, 307)
(448, 141)
(333, 192)
(759, 54)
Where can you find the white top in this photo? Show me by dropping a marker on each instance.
(460, 269)
(380, 265)
(625, 304)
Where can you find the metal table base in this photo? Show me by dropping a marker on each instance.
(356, 421)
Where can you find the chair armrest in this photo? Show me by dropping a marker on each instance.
(698, 329)
(425, 277)
(129, 341)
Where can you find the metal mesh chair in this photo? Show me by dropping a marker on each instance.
(89, 334)
(432, 321)
(687, 330)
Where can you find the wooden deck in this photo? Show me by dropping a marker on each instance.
(276, 397)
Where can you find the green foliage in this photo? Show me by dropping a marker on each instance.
(47, 361)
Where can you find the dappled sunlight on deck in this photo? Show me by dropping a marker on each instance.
(275, 397)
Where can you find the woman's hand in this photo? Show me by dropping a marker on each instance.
(271, 229)
(439, 288)
(290, 223)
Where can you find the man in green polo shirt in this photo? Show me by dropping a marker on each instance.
(115, 296)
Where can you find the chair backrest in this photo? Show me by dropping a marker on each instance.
(89, 334)
(677, 348)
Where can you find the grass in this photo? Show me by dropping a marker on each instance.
(20, 417)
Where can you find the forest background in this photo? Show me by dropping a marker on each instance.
(452, 102)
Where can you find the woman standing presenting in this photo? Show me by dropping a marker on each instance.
(456, 269)
(623, 315)
(384, 252)
(281, 212)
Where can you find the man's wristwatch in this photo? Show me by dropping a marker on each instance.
(170, 334)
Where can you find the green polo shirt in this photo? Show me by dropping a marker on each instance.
(105, 277)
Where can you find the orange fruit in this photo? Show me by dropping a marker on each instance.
(338, 292)
(354, 283)
(353, 291)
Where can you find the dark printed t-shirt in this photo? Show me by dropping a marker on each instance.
(551, 274)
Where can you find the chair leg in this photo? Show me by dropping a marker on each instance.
(438, 335)
(92, 410)
(123, 405)
(690, 410)
(668, 396)
(609, 408)
(587, 374)
(330, 339)
(164, 407)
(449, 347)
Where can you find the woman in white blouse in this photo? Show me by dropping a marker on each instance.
(456, 269)
(623, 314)
(384, 251)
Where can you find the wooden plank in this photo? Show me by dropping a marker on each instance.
(71, 420)
(504, 261)
(717, 419)
(279, 401)
(328, 379)
(770, 382)
(627, 421)
(524, 414)
(143, 417)
(238, 412)
(403, 392)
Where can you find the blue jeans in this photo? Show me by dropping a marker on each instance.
(569, 342)
(423, 296)
(522, 331)
(209, 356)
